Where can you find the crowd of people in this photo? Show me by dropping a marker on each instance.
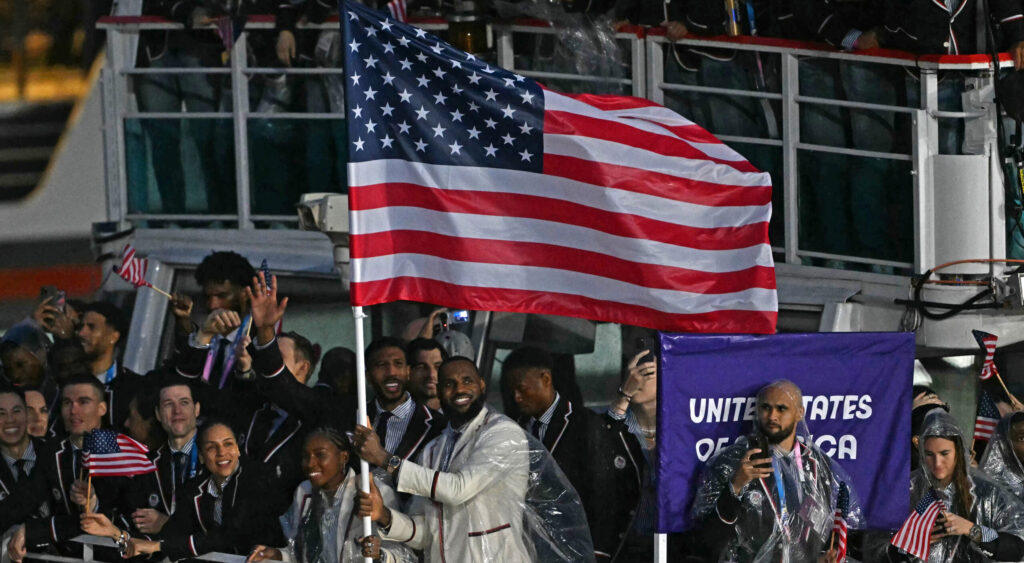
(248, 457)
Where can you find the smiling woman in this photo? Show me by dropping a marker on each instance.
(323, 525)
(231, 510)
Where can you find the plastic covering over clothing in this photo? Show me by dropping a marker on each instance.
(1000, 462)
(585, 44)
(992, 506)
(489, 492)
(763, 532)
(786, 517)
(322, 529)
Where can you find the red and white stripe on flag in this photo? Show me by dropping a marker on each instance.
(128, 459)
(984, 427)
(639, 217)
(989, 367)
(397, 9)
(839, 528)
(133, 269)
(915, 535)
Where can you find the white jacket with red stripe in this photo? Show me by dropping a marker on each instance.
(473, 511)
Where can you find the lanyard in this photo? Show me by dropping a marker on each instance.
(781, 487)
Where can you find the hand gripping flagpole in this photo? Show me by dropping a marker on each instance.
(361, 416)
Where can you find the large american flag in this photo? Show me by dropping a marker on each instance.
(109, 454)
(475, 187)
(915, 534)
(988, 346)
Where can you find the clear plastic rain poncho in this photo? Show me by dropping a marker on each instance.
(584, 44)
(768, 530)
(491, 493)
(992, 506)
(999, 460)
(324, 529)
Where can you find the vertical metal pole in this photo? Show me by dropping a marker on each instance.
(930, 103)
(655, 66)
(240, 117)
(503, 40)
(361, 417)
(117, 181)
(790, 138)
(924, 243)
(638, 59)
(660, 548)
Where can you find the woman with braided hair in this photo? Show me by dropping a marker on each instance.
(323, 525)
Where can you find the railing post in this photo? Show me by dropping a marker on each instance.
(503, 42)
(924, 243)
(655, 65)
(790, 138)
(638, 59)
(239, 117)
(115, 98)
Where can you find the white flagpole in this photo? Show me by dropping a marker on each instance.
(660, 548)
(361, 417)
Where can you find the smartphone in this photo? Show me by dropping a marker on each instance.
(48, 291)
(644, 343)
(758, 441)
(57, 297)
(459, 317)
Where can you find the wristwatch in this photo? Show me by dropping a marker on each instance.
(394, 462)
(975, 533)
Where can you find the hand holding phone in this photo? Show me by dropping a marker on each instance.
(642, 344)
(753, 464)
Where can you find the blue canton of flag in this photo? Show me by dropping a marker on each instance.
(101, 442)
(412, 96)
(926, 500)
(107, 453)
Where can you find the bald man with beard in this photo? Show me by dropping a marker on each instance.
(778, 507)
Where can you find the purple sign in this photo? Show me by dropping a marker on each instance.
(856, 392)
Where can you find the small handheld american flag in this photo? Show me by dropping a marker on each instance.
(988, 345)
(397, 10)
(109, 454)
(988, 417)
(839, 523)
(914, 538)
(133, 268)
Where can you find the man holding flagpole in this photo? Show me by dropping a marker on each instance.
(475, 487)
(770, 496)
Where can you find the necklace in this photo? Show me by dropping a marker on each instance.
(648, 432)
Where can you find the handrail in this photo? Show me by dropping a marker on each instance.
(255, 21)
(656, 34)
(822, 50)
